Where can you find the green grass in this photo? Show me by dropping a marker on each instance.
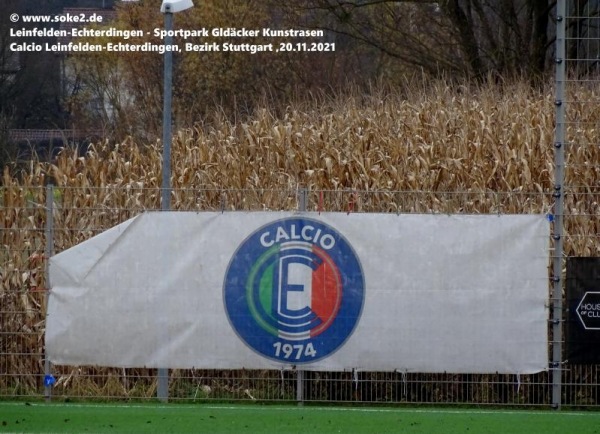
(256, 419)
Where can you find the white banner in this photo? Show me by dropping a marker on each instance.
(329, 291)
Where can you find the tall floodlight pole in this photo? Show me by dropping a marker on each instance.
(168, 8)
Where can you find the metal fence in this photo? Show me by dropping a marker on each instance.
(40, 221)
(577, 182)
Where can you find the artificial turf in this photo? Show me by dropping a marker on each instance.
(42, 417)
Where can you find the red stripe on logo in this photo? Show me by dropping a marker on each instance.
(326, 292)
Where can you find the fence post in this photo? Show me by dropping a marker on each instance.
(49, 251)
(302, 198)
(558, 196)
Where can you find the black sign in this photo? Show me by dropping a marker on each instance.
(583, 310)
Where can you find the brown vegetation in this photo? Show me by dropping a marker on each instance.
(421, 148)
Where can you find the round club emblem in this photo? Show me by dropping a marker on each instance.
(294, 290)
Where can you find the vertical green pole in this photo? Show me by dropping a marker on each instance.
(49, 251)
(558, 196)
(163, 373)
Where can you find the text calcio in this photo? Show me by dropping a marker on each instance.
(305, 233)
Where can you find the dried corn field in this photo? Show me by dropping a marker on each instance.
(424, 148)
